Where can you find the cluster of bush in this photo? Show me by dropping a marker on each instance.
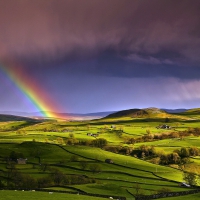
(100, 142)
(71, 140)
(179, 156)
(119, 149)
(17, 180)
(21, 132)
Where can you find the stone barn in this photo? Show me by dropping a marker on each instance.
(110, 161)
(21, 161)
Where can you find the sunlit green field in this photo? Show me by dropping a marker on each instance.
(45, 143)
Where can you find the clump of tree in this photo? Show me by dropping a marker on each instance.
(43, 167)
(153, 137)
(2, 185)
(190, 178)
(71, 140)
(179, 156)
(21, 132)
(119, 133)
(125, 150)
(17, 180)
(44, 182)
(60, 140)
(59, 178)
(95, 168)
(85, 142)
(14, 156)
(100, 142)
(50, 130)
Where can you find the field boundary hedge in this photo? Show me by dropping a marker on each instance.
(168, 194)
(80, 192)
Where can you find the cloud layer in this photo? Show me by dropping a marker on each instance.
(100, 55)
(162, 35)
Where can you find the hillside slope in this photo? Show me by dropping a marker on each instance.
(150, 113)
(5, 118)
(192, 113)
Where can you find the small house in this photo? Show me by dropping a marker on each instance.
(110, 161)
(164, 126)
(95, 135)
(21, 161)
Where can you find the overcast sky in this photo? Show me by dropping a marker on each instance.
(102, 55)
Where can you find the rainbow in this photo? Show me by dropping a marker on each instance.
(33, 91)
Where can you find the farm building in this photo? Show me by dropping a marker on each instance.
(110, 161)
(21, 161)
(164, 126)
(93, 134)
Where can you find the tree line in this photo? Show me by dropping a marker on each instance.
(14, 179)
(178, 156)
(153, 137)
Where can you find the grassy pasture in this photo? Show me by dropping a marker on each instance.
(191, 196)
(126, 161)
(24, 195)
(125, 174)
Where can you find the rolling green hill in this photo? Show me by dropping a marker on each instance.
(192, 113)
(6, 118)
(69, 156)
(148, 114)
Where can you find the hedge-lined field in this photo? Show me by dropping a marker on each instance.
(24, 195)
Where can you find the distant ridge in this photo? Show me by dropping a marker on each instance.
(70, 116)
(128, 113)
(146, 112)
(179, 110)
(193, 110)
(150, 113)
(5, 118)
(133, 113)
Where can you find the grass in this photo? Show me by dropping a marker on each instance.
(117, 178)
(24, 195)
(191, 196)
(122, 175)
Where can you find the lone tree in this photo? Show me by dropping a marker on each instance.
(74, 158)
(190, 178)
(138, 190)
(166, 120)
(101, 142)
(148, 131)
(95, 168)
(83, 165)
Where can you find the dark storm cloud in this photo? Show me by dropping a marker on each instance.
(115, 38)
